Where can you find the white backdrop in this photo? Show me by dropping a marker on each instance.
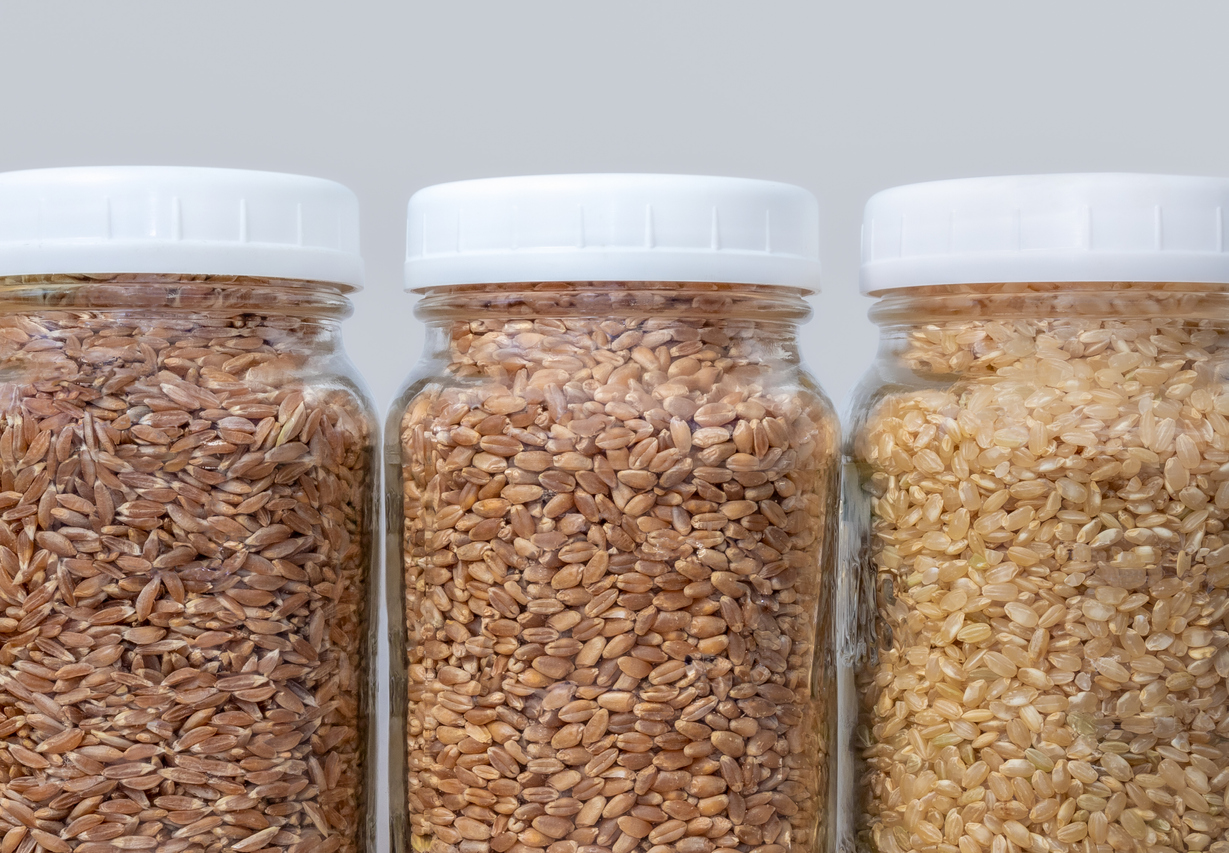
(843, 98)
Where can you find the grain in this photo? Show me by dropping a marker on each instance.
(1050, 582)
(642, 558)
(184, 550)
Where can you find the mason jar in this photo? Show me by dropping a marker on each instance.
(186, 515)
(612, 492)
(1037, 488)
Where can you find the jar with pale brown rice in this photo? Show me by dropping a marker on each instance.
(1040, 571)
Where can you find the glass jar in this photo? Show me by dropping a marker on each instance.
(614, 507)
(1037, 566)
(186, 536)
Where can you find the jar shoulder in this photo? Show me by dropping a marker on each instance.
(1120, 375)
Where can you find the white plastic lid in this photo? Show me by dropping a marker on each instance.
(612, 228)
(1080, 227)
(159, 219)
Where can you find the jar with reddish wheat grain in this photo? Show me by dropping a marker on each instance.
(186, 515)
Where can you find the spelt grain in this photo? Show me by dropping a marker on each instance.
(183, 557)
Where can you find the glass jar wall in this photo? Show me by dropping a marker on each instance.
(611, 512)
(185, 545)
(1039, 486)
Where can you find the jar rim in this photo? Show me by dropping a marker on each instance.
(171, 278)
(1046, 286)
(521, 300)
(172, 292)
(1040, 299)
(624, 286)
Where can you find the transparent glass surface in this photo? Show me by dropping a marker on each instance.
(186, 520)
(611, 512)
(1036, 570)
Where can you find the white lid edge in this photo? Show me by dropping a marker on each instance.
(186, 258)
(613, 265)
(879, 277)
(629, 227)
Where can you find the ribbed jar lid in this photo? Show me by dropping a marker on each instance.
(178, 220)
(612, 228)
(1076, 227)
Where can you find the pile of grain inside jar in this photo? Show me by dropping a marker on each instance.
(1052, 563)
(182, 561)
(612, 535)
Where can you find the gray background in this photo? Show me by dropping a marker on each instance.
(842, 98)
